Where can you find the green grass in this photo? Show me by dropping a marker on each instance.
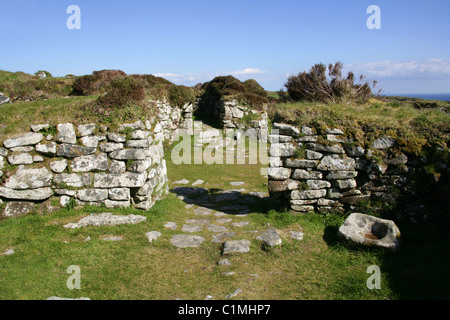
(318, 267)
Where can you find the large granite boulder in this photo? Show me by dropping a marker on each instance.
(362, 229)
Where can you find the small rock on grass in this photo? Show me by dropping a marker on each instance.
(236, 246)
(170, 225)
(9, 252)
(297, 235)
(270, 237)
(234, 294)
(152, 235)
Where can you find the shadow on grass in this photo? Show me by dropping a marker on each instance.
(419, 271)
(232, 202)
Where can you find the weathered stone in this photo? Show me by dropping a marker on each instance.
(37, 159)
(300, 174)
(273, 139)
(307, 139)
(307, 131)
(73, 151)
(346, 184)
(302, 164)
(117, 167)
(398, 160)
(354, 151)
(128, 154)
(92, 195)
(354, 200)
(285, 129)
(330, 163)
(361, 229)
(66, 133)
(334, 131)
(171, 225)
(240, 224)
(58, 166)
(216, 228)
(8, 252)
(137, 144)
(86, 129)
(73, 179)
(33, 195)
(153, 235)
(187, 241)
(279, 173)
(341, 175)
(48, 149)
(113, 238)
(302, 208)
(27, 139)
(125, 180)
(337, 148)
(20, 158)
(236, 246)
(318, 184)
(134, 126)
(110, 147)
(374, 169)
(29, 178)
(115, 137)
(333, 210)
(121, 194)
(202, 211)
(90, 163)
(270, 237)
(275, 162)
(313, 155)
(223, 262)
(17, 209)
(198, 182)
(3, 152)
(140, 135)
(92, 141)
(234, 294)
(140, 165)
(224, 220)
(334, 194)
(111, 204)
(383, 143)
(198, 221)
(22, 149)
(329, 203)
(308, 194)
(303, 202)
(191, 228)
(282, 150)
(106, 219)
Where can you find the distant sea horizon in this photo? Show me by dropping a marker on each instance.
(427, 96)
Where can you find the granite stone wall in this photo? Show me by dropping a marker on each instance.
(85, 164)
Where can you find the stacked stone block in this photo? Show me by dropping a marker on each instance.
(87, 163)
(328, 172)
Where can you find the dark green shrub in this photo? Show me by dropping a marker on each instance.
(122, 92)
(180, 95)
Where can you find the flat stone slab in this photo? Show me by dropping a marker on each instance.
(221, 237)
(270, 237)
(236, 246)
(113, 238)
(186, 241)
(60, 298)
(237, 183)
(191, 228)
(198, 221)
(234, 294)
(201, 211)
(216, 228)
(223, 220)
(240, 224)
(184, 181)
(106, 219)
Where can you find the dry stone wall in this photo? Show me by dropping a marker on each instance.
(329, 172)
(87, 163)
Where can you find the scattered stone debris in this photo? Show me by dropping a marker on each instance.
(171, 225)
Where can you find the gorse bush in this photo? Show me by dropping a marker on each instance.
(317, 86)
(122, 92)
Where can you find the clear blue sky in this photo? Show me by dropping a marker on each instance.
(190, 41)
